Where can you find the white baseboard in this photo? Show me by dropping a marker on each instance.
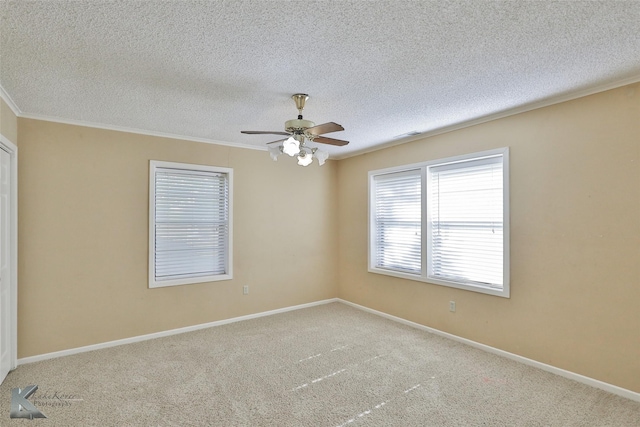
(139, 338)
(619, 391)
(623, 392)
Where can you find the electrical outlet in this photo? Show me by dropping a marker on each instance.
(452, 306)
(245, 290)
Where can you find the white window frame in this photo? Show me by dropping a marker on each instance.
(154, 165)
(426, 244)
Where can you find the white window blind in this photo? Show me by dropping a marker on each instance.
(465, 204)
(443, 221)
(398, 221)
(190, 225)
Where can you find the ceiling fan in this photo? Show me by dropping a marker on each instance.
(298, 130)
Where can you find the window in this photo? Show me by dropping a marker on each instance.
(444, 222)
(398, 224)
(190, 230)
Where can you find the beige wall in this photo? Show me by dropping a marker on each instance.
(575, 238)
(8, 122)
(83, 237)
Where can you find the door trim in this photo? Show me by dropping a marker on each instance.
(12, 149)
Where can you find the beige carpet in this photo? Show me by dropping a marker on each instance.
(330, 365)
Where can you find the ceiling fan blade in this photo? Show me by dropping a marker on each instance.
(324, 128)
(330, 141)
(274, 142)
(261, 132)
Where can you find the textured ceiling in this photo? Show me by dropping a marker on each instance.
(207, 70)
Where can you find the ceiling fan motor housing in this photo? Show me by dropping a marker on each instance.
(298, 126)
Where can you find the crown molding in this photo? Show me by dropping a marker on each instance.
(12, 105)
(138, 131)
(558, 99)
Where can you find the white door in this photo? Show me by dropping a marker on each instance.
(5, 278)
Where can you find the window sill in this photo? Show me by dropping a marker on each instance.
(188, 281)
(504, 292)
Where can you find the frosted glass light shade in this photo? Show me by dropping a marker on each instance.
(291, 147)
(274, 151)
(305, 160)
(322, 156)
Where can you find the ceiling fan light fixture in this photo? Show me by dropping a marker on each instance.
(291, 146)
(322, 156)
(275, 151)
(305, 159)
